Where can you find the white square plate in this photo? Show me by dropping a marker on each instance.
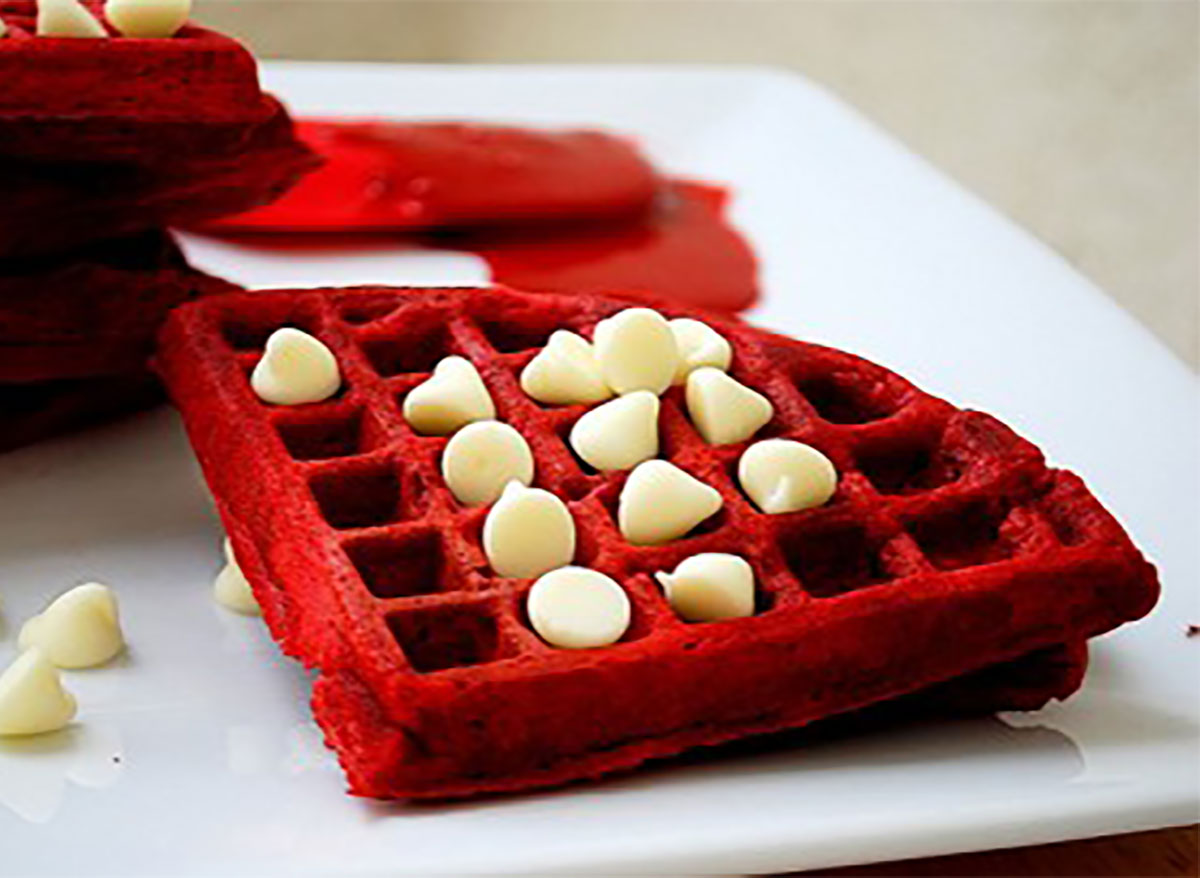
(197, 754)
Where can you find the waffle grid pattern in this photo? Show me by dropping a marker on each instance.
(372, 477)
(927, 493)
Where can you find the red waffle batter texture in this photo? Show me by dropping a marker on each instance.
(53, 206)
(95, 312)
(122, 98)
(949, 547)
(32, 412)
(107, 137)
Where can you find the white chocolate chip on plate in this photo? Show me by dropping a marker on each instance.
(231, 588)
(295, 369)
(578, 608)
(67, 18)
(636, 350)
(565, 372)
(528, 532)
(660, 502)
(781, 475)
(699, 345)
(710, 586)
(483, 457)
(452, 397)
(148, 19)
(79, 629)
(619, 434)
(32, 698)
(724, 410)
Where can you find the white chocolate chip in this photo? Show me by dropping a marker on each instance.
(528, 532)
(565, 372)
(710, 586)
(481, 458)
(3, 28)
(295, 369)
(781, 475)
(578, 608)
(232, 591)
(80, 629)
(231, 588)
(452, 397)
(699, 345)
(148, 19)
(32, 698)
(636, 350)
(67, 18)
(660, 502)
(723, 409)
(619, 434)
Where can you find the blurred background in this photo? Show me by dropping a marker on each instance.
(1080, 119)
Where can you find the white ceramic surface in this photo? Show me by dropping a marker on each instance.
(195, 754)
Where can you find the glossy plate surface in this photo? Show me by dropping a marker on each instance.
(196, 754)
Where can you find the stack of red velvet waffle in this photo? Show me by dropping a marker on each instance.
(103, 144)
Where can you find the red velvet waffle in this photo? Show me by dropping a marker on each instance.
(94, 312)
(1023, 684)
(949, 546)
(52, 206)
(383, 176)
(1027, 683)
(32, 412)
(122, 98)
